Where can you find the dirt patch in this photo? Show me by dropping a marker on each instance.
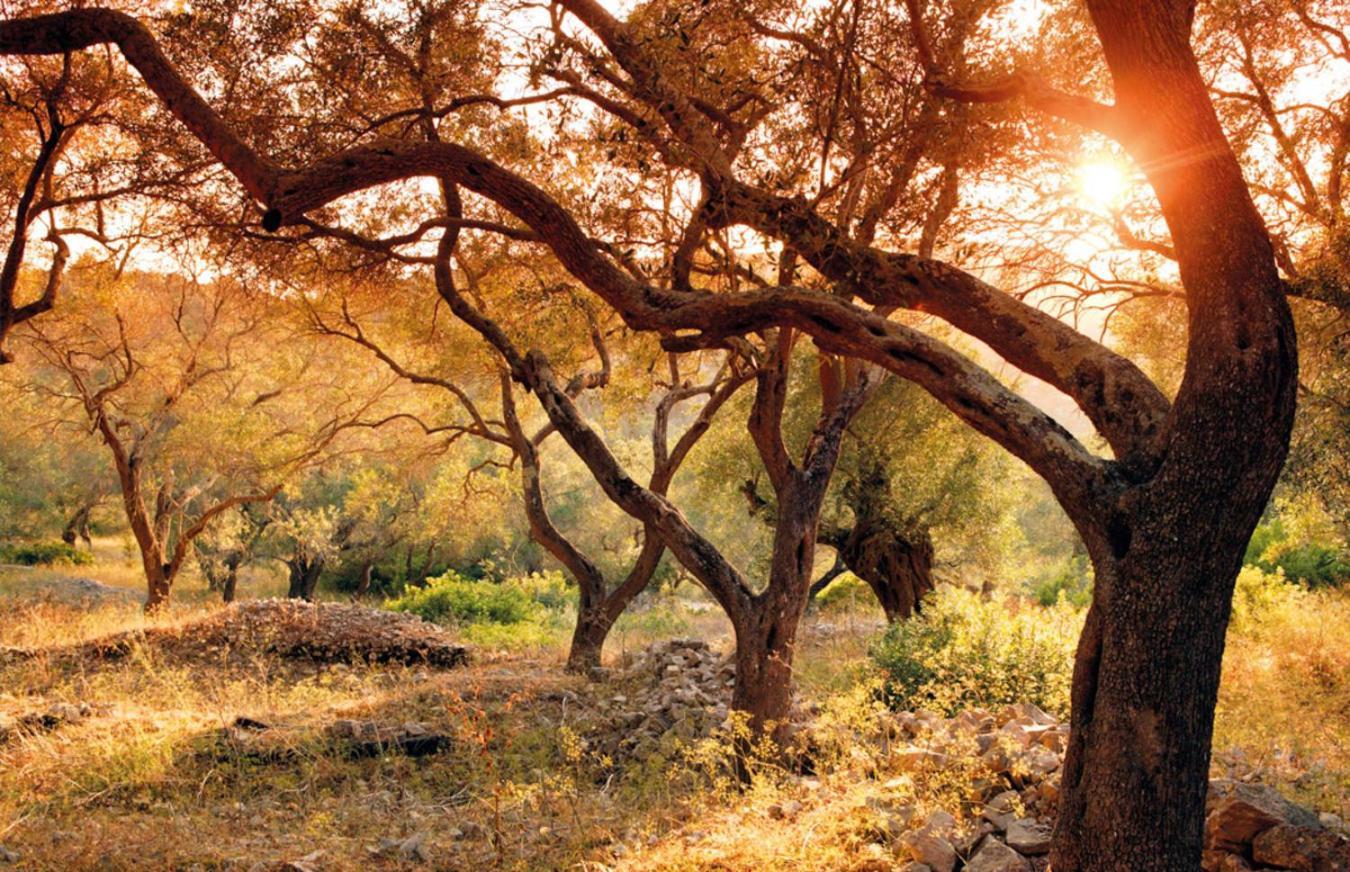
(316, 632)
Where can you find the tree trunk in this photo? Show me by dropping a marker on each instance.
(766, 633)
(588, 641)
(599, 610)
(303, 578)
(899, 571)
(158, 586)
(363, 587)
(1166, 553)
(231, 583)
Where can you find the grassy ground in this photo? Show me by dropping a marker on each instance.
(143, 782)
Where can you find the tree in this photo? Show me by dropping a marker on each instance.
(173, 377)
(1165, 519)
(688, 378)
(909, 474)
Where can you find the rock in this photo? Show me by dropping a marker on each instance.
(1331, 821)
(920, 759)
(994, 856)
(929, 848)
(1304, 849)
(8, 856)
(1028, 837)
(1027, 711)
(784, 811)
(1056, 740)
(941, 823)
(1240, 812)
(414, 848)
(999, 820)
(915, 866)
(1222, 861)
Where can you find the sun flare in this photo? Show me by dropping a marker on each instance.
(1103, 181)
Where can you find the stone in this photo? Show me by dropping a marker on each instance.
(1303, 849)
(1027, 836)
(1222, 861)
(414, 848)
(916, 866)
(994, 856)
(941, 823)
(1238, 813)
(920, 759)
(8, 856)
(927, 847)
(999, 819)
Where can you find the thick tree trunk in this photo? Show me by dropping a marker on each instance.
(588, 641)
(1167, 552)
(899, 571)
(159, 584)
(303, 578)
(766, 633)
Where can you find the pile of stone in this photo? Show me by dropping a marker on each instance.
(1013, 760)
(53, 717)
(1250, 826)
(252, 739)
(673, 691)
(315, 632)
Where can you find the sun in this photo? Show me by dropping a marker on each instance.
(1103, 181)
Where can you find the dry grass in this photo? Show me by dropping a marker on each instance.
(144, 783)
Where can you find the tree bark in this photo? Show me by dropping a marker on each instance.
(303, 574)
(898, 570)
(1166, 553)
(363, 587)
(766, 634)
(231, 584)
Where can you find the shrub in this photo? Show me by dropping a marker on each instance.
(1073, 582)
(549, 589)
(1302, 540)
(453, 598)
(44, 553)
(965, 651)
(846, 591)
(1261, 597)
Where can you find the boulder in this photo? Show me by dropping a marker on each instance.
(1028, 836)
(926, 846)
(1304, 849)
(994, 856)
(1238, 813)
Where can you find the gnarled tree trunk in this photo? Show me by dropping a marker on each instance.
(1167, 552)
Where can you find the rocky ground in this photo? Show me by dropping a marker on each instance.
(406, 763)
(1008, 760)
(316, 632)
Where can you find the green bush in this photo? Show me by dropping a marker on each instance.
(1073, 582)
(453, 598)
(549, 589)
(966, 651)
(1301, 541)
(44, 553)
(1261, 597)
(846, 591)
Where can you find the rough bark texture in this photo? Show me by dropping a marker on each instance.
(1168, 550)
(899, 570)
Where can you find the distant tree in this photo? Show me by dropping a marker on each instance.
(176, 378)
